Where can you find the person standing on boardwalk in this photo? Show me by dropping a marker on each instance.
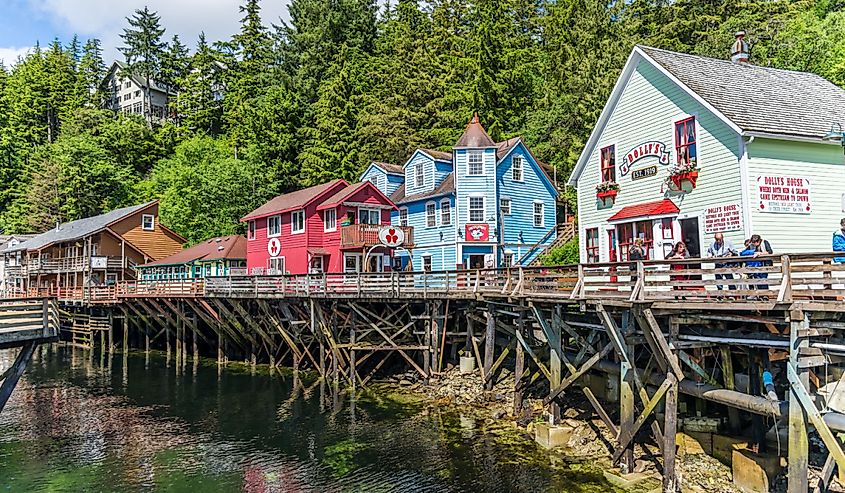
(763, 248)
(719, 249)
(635, 254)
(839, 242)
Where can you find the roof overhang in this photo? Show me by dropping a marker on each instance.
(646, 211)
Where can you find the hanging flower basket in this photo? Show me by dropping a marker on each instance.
(679, 179)
(607, 191)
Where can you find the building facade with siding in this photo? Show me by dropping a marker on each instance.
(223, 256)
(689, 146)
(482, 204)
(127, 94)
(331, 227)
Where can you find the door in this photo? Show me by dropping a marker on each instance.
(611, 242)
(689, 234)
(476, 261)
(375, 263)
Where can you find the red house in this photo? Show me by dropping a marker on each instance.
(332, 227)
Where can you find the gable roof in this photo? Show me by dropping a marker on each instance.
(392, 169)
(646, 209)
(294, 200)
(438, 155)
(227, 247)
(751, 100)
(474, 135)
(344, 194)
(80, 228)
(117, 64)
(446, 187)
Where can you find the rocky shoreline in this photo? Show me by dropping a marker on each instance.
(589, 440)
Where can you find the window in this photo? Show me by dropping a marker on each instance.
(329, 220)
(516, 168)
(628, 232)
(128, 84)
(138, 94)
(445, 213)
(127, 96)
(476, 209)
(419, 175)
(505, 206)
(297, 221)
(250, 230)
(427, 263)
(538, 214)
(403, 216)
(608, 164)
(686, 146)
(369, 216)
(592, 237)
(274, 226)
(276, 266)
(475, 166)
(430, 215)
(137, 108)
(507, 259)
(148, 222)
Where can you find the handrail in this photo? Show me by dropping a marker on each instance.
(536, 245)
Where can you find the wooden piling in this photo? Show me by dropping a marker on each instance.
(555, 366)
(799, 445)
(728, 381)
(111, 333)
(489, 346)
(519, 367)
(125, 333)
(626, 397)
(670, 428)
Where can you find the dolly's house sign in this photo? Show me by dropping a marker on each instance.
(642, 151)
(784, 194)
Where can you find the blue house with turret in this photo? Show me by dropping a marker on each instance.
(484, 204)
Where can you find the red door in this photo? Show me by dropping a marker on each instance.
(611, 245)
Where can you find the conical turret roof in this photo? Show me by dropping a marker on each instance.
(475, 135)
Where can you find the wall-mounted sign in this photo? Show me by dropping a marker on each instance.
(642, 151)
(99, 262)
(784, 194)
(723, 218)
(274, 247)
(644, 172)
(477, 232)
(391, 236)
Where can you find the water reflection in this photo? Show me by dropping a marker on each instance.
(88, 422)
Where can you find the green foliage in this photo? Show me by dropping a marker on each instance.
(566, 254)
(276, 108)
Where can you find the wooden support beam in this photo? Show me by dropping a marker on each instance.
(670, 427)
(489, 346)
(686, 359)
(577, 374)
(625, 438)
(728, 377)
(17, 369)
(519, 368)
(799, 445)
(651, 329)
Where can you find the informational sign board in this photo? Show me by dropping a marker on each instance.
(722, 218)
(391, 236)
(477, 232)
(646, 172)
(646, 149)
(99, 262)
(780, 194)
(274, 247)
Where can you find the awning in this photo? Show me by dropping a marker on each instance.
(318, 251)
(646, 210)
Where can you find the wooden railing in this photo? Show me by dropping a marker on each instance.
(67, 264)
(366, 235)
(772, 279)
(28, 319)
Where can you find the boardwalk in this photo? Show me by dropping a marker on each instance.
(662, 331)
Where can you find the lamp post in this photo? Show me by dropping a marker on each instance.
(835, 134)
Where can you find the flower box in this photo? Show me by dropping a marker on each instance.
(679, 179)
(607, 194)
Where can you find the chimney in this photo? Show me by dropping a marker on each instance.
(739, 50)
(57, 225)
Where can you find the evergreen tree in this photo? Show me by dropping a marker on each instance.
(92, 70)
(144, 50)
(174, 65)
(199, 103)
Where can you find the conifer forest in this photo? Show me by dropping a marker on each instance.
(343, 83)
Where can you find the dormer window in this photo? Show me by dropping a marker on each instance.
(516, 168)
(148, 222)
(686, 144)
(419, 175)
(475, 165)
(608, 164)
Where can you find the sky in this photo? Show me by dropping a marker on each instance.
(23, 23)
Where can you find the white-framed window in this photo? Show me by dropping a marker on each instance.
(148, 222)
(128, 84)
(505, 205)
(475, 163)
(250, 229)
(445, 212)
(426, 263)
(403, 216)
(419, 175)
(330, 220)
(369, 216)
(274, 226)
(430, 214)
(538, 214)
(517, 167)
(276, 266)
(476, 209)
(507, 259)
(297, 221)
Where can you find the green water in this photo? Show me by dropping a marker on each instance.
(78, 423)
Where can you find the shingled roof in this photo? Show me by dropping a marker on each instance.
(474, 135)
(293, 200)
(393, 169)
(228, 247)
(446, 186)
(758, 99)
(441, 155)
(78, 229)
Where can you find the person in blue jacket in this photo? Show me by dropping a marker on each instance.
(752, 251)
(839, 241)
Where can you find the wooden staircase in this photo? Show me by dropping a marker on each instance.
(565, 232)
